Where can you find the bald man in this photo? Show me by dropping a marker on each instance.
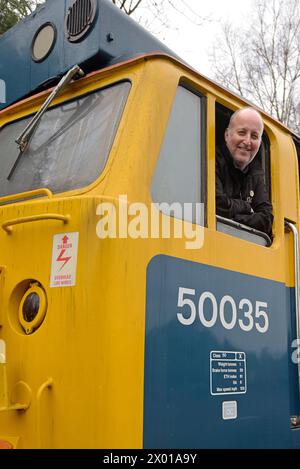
(240, 190)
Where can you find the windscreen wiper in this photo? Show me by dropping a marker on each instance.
(24, 139)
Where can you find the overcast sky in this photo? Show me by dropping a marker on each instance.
(192, 42)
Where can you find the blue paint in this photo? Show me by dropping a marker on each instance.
(293, 367)
(22, 75)
(179, 410)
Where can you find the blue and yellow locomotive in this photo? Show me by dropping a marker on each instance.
(131, 316)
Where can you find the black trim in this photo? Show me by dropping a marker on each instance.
(203, 142)
(67, 101)
(203, 156)
(297, 147)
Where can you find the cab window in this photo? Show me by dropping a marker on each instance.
(262, 162)
(70, 146)
(179, 176)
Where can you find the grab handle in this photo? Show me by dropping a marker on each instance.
(7, 225)
(26, 195)
(46, 385)
(295, 419)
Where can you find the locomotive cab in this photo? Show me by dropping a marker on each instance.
(128, 318)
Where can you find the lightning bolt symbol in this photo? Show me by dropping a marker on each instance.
(63, 259)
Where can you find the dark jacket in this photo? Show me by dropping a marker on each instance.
(241, 195)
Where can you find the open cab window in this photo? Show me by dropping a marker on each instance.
(262, 162)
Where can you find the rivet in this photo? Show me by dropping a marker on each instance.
(110, 37)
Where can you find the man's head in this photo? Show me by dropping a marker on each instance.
(243, 136)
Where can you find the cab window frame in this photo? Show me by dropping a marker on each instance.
(26, 118)
(228, 226)
(202, 152)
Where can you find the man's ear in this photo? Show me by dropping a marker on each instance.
(226, 134)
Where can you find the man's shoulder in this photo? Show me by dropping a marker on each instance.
(221, 161)
(220, 156)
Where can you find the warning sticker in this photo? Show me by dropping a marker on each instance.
(64, 260)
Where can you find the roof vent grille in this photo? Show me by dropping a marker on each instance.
(80, 18)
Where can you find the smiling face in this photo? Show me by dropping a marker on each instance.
(243, 137)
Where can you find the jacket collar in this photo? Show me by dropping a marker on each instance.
(229, 160)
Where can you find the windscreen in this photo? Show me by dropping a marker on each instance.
(69, 147)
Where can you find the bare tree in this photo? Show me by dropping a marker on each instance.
(154, 14)
(129, 6)
(262, 62)
(11, 11)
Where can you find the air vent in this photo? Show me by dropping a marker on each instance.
(80, 18)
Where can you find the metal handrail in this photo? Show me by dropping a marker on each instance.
(26, 195)
(7, 226)
(249, 229)
(295, 419)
